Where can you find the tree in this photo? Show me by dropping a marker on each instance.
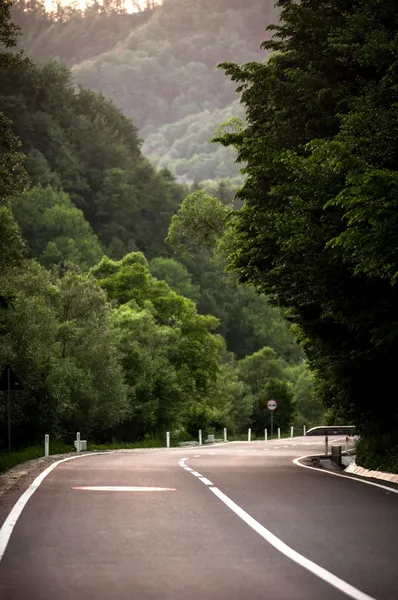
(55, 230)
(79, 142)
(283, 418)
(175, 275)
(200, 221)
(188, 355)
(320, 147)
(62, 342)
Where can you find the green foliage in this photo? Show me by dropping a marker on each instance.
(78, 141)
(61, 341)
(279, 390)
(309, 409)
(317, 230)
(54, 229)
(133, 348)
(71, 35)
(175, 275)
(200, 221)
(171, 358)
(379, 453)
(170, 88)
(11, 459)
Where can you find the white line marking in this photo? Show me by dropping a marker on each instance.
(205, 480)
(196, 474)
(187, 468)
(315, 569)
(379, 485)
(122, 488)
(196, 455)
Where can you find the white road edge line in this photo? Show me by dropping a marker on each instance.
(10, 522)
(315, 569)
(297, 462)
(196, 474)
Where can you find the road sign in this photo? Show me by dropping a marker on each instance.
(9, 380)
(272, 405)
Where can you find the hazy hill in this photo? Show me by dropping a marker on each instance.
(159, 66)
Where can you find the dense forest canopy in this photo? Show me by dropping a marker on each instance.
(160, 67)
(110, 333)
(317, 230)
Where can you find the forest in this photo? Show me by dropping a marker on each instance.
(111, 332)
(198, 208)
(171, 87)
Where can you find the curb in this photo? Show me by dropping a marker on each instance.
(354, 469)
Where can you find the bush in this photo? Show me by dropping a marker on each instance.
(379, 453)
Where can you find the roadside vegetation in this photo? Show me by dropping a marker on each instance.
(132, 303)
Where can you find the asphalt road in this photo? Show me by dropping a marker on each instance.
(244, 522)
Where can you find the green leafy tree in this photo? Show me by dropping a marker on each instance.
(187, 359)
(315, 230)
(200, 221)
(283, 418)
(175, 275)
(54, 229)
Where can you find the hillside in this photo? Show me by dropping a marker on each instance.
(160, 67)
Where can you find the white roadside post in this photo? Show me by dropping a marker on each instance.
(292, 431)
(225, 434)
(46, 445)
(249, 435)
(167, 439)
(266, 435)
(304, 430)
(346, 444)
(200, 437)
(326, 445)
(279, 433)
(78, 442)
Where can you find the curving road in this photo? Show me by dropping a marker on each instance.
(229, 522)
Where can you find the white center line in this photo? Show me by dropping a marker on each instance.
(320, 572)
(279, 545)
(205, 481)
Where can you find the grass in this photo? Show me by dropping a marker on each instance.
(11, 459)
(127, 446)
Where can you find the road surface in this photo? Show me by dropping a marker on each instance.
(229, 522)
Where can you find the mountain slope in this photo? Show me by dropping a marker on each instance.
(163, 74)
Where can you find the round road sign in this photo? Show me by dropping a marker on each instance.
(272, 404)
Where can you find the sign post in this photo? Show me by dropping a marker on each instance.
(8, 382)
(272, 405)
